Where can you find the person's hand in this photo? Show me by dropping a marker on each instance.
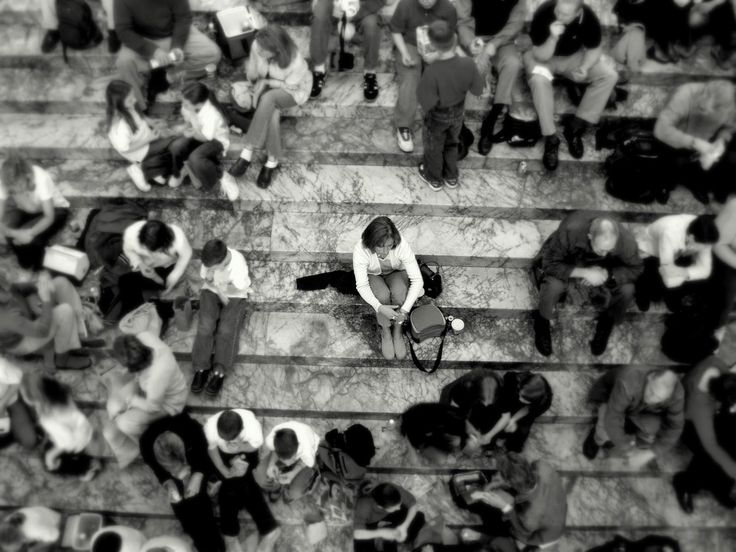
(596, 276)
(476, 47)
(556, 28)
(490, 49)
(408, 60)
(389, 311)
(193, 486)
(702, 147)
(172, 491)
(178, 55)
(44, 287)
(238, 467)
(579, 74)
(23, 237)
(401, 316)
(161, 57)
(640, 458)
(272, 472)
(401, 533)
(510, 427)
(170, 283)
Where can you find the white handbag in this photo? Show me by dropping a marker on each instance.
(66, 261)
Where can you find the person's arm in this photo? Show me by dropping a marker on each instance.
(4, 230)
(477, 85)
(701, 268)
(400, 44)
(416, 282)
(360, 269)
(556, 255)
(486, 438)
(546, 50)
(184, 255)
(726, 223)
(590, 58)
(519, 414)
(124, 27)
(513, 27)
(182, 23)
(241, 281)
(673, 422)
(293, 81)
(385, 533)
(214, 454)
(677, 109)
(702, 418)
(7, 392)
(46, 220)
(410, 515)
(465, 23)
(130, 249)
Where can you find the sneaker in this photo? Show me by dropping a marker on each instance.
(175, 181)
(542, 335)
(574, 140)
(590, 447)
(451, 183)
(603, 330)
(405, 138)
(136, 175)
(50, 40)
(550, 159)
(214, 384)
(436, 186)
(318, 83)
(370, 87)
(230, 187)
(200, 378)
(113, 42)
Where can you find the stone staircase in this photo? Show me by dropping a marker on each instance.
(314, 356)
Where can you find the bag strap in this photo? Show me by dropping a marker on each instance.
(417, 362)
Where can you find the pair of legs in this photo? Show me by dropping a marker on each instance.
(390, 289)
(165, 158)
(291, 491)
(30, 256)
(203, 160)
(408, 80)
(265, 128)
(643, 428)
(199, 51)
(441, 134)
(197, 519)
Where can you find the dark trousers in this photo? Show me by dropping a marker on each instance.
(30, 256)
(552, 289)
(441, 135)
(650, 285)
(380, 545)
(198, 521)
(244, 492)
(165, 158)
(204, 160)
(218, 332)
(135, 289)
(719, 292)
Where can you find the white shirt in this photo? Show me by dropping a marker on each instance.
(43, 190)
(67, 428)
(162, 383)
(170, 544)
(305, 435)
(665, 238)
(132, 539)
(210, 123)
(231, 280)
(40, 524)
(251, 437)
(140, 256)
(122, 136)
(402, 257)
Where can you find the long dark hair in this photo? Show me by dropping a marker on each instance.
(276, 40)
(198, 93)
(115, 94)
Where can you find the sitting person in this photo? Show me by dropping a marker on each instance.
(362, 15)
(233, 434)
(32, 529)
(175, 447)
(524, 507)
(385, 517)
(710, 413)
(640, 414)
(281, 79)
(287, 467)
(387, 277)
(32, 211)
(601, 253)
(716, 18)
(50, 23)
(73, 448)
(664, 245)
(154, 159)
(44, 318)
(16, 419)
(156, 34)
(436, 430)
(697, 125)
(152, 388)
(566, 38)
(222, 303)
(525, 396)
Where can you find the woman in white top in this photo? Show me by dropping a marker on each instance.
(282, 79)
(155, 159)
(152, 388)
(32, 211)
(387, 277)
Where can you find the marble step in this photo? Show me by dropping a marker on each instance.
(596, 502)
(379, 190)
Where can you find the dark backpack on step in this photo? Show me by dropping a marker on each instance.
(77, 27)
(634, 169)
(343, 457)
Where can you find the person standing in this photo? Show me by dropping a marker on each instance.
(50, 23)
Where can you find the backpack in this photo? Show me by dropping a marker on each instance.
(634, 169)
(77, 27)
(343, 457)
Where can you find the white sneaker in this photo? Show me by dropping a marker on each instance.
(405, 138)
(230, 187)
(136, 175)
(175, 182)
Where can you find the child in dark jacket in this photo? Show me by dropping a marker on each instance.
(441, 92)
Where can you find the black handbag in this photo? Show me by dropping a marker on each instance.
(432, 279)
(423, 323)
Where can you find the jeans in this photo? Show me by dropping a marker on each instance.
(323, 24)
(389, 289)
(243, 492)
(204, 160)
(198, 521)
(408, 80)
(551, 290)
(218, 332)
(265, 128)
(441, 134)
(30, 256)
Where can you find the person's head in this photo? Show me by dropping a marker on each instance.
(387, 497)
(381, 236)
(285, 444)
(532, 388)
(156, 236)
(229, 425)
(194, 95)
(120, 102)
(603, 235)
(660, 384)
(132, 353)
(427, 4)
(17, 174)
(718, 99)
(273, 43)
(441, 36)
(702, 232)
(566, 11)
(170, 452)
(516, 473)
(723, 389)
(215, 253)
(107, 541)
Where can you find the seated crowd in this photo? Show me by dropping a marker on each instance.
(210, 468)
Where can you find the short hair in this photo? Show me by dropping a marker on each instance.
(229, 425)
(16, 169)
(723, 389)
(667, 376)
(285, 444)
(169, 450)
(156, 236)
(517, 472)
(532, 387)
(132, 353)
(703, 229)
(441, 35)
(109, 541)
(378, 231)
(386, 495)
(214, 252)
(602, 226)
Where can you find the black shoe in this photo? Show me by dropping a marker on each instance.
(239, 167)
(603, 330)
(200, 378)
(214, 384)
(466, 140)
(264, 177)
(370, 87)
(642, 301)
(684, 497)
(318, 83)
(542, 335)
(50, 40)
(550, 159)
(485, 144)
(590, 447)
(113, 42)
(157, 84)
(574, 138)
